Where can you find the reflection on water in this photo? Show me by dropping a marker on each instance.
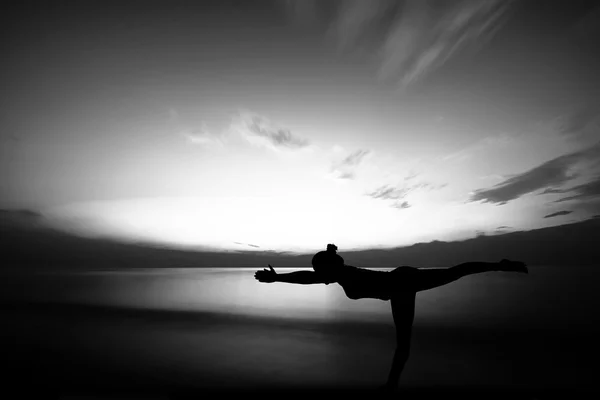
(521, 318)
(546, 296)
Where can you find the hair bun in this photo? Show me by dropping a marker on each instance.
(331, 248)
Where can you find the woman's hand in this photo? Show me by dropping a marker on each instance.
(266, 275)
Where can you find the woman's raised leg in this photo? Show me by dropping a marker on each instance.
(429, 278)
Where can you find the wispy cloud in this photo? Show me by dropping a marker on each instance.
(355, 158)
(399, 192)
(346, 168)
(408, 39)
(197, 135)
(558, 214)
(586, 191)
(577, 121)
(247, 244)
(411, 175)
(489, 143)
(401, 205)
(426, 34)
(553, 173)
(387, 192)
(503, 229)
(259, 130)
(202, 136)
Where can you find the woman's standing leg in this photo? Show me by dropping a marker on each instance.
(403, 311)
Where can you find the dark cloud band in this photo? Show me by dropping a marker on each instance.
(553, 173)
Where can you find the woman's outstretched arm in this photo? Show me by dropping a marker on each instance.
(299, 277)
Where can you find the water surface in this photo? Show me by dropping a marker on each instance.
(222, 327)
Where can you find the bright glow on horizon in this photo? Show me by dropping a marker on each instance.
(266, 223)
(231, 223)
(288, 130)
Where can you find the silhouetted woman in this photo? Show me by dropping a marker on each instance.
(399, 286)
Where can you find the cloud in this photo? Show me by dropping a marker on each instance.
(346, 168)
(558, 213)
(400, 192)
(555, 172)
(485, 144)
(259, 130)
(586, 191)
(247, 244)
(408, 39)
(20, 213)
(387, 192)
(21, 218)
(579, 120)
(202, 136)
(503, 229)
(401, 205)
(427, 34)
(552, 191)
(411, 175)
(355, 158)
(343, 175)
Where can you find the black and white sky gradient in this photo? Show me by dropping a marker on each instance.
(284, 125)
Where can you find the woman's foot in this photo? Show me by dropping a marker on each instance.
(513, 266)
(387, 389)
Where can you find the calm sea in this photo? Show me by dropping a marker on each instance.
(222, 327)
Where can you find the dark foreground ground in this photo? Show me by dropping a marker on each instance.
(80, 352)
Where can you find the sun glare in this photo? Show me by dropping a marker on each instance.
(282, 223)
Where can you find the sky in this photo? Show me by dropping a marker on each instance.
(287, 125)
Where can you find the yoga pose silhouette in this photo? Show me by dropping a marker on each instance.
(399, 286)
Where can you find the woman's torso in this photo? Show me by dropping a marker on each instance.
(361, 283)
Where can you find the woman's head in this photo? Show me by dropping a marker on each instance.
(327, 261)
